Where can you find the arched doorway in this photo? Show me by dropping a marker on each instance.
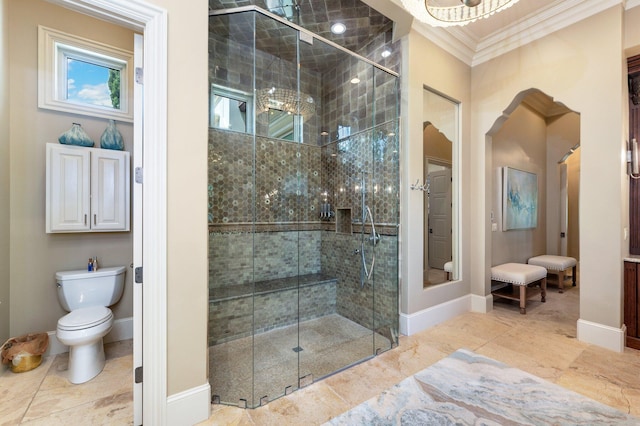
(538, 135)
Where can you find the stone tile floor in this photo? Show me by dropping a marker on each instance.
(542, 342)
(44, 396)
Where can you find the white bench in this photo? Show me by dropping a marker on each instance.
(448, 268)
(556, 265)
(526, 277)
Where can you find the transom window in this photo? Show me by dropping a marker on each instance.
(82, 76)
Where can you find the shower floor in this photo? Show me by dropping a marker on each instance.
(324, 346)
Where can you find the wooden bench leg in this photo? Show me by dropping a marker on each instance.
(561, 281)
(523, 299)
(573, 277)
(543, 290)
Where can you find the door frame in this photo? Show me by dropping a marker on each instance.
(151, 21)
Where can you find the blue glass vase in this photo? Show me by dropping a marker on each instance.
(111, 138)
(75, 136)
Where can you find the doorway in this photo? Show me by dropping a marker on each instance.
(151, 21)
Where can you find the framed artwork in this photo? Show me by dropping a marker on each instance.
(519, 199)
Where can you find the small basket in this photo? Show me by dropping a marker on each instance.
(27, 362)
(24, 353)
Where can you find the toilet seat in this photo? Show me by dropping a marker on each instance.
(83, 318)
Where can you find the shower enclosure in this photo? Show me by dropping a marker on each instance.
(303, 207)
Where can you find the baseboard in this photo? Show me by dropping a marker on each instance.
(602, 335)
(122, 330)
(427, 318)
(189, 407)
(482, 304)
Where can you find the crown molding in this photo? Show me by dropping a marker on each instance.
(631, 4)
(461, 47)
(557, 16)
(461, 42)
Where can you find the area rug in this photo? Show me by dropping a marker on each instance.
(470, 389)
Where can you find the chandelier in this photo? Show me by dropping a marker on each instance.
(438, 15)
(287, 100)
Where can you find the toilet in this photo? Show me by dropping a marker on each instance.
(86, 296)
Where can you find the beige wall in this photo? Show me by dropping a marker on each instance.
(187, 232)
(523, 150)
(35, 255)
(436, 144)
(5, 260)
(632, 32)
(583, 69)
(573, 227)
(426, 64)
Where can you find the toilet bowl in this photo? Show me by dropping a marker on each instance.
(86, 296)
(82, 330)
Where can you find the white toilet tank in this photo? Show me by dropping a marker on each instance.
(81, 289)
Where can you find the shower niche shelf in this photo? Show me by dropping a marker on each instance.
(343, 221)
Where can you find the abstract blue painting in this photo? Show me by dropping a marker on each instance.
(520, 199)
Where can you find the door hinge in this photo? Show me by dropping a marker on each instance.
(139, 75)
(138, 274)
(138, 174)
(138, 375)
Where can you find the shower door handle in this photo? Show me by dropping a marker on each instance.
(374, 238)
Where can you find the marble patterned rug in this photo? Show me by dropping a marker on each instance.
(470, 389)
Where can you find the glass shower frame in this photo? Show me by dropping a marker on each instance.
(308, 260)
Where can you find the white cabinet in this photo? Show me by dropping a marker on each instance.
(87, 189)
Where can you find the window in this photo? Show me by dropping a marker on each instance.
(231, 109)
(82, 76)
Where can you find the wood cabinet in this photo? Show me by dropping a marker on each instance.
(87, 189)
(632, 303)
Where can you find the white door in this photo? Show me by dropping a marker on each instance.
(137, 232)
(439, 218)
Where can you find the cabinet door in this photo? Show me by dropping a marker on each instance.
(67, 189)
(109, 190)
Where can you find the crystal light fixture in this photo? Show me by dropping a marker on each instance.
(287, 100)
(432, 12)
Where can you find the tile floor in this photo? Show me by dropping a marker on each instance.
(44, 396)
(541, 342)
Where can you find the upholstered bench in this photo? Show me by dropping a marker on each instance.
(526, 277)
(448, 268)
(556, 265)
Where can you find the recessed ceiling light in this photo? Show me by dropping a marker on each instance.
(386, 53)
(338, 28)
(355, 80)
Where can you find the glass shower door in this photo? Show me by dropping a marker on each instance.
(278, 211)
